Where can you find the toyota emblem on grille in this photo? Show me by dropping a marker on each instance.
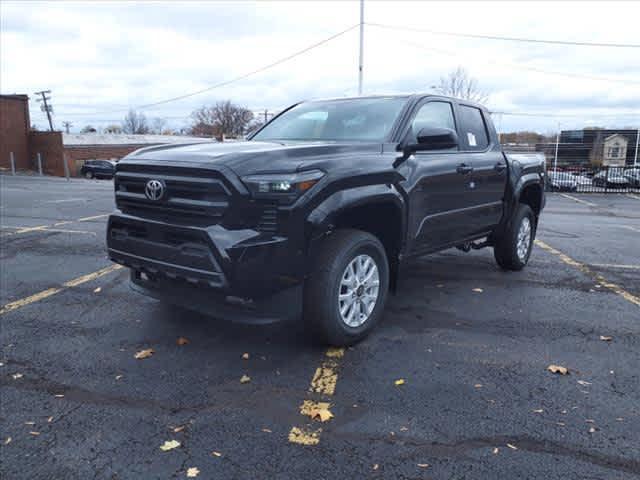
(154, 190)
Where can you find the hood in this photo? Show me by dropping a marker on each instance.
(249, 157)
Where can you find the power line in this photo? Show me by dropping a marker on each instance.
(449, 53)
(506, 39)
(233, 80)
(567, 115)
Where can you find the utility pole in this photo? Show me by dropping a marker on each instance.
(266, 115)
(45, 107)
(67, 126)
(361, 47)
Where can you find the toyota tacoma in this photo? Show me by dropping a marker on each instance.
(313, 215)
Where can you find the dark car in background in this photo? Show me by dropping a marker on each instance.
(610, 179)
(98, 169)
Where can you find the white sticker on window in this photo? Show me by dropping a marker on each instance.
(471, 138)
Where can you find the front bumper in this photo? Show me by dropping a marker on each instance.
(241, 275)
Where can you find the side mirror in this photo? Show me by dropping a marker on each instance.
(435, 138)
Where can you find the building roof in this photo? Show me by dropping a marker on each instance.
(113, 139)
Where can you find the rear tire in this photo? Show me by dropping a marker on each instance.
(513, 249)
(346, 293)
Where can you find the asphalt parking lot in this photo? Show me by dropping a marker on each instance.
(471, 343)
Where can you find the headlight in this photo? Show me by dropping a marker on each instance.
(285, 186)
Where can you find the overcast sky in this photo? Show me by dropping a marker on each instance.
(100, 59)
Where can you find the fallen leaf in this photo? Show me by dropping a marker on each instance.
(97, 290)
(538, 410)
(335, 352)
(403, 429)
(323, 415)
(495, 451)
(29, 423)
(560, 423)
(266, 430)
(512, 447)
(605, 338)
(182, 341)
(169, 445)
(35, 433)
(192, 472)
(620, 419)
(592, 430)
(376, 466)
(50, 419)
(216, 454)
(477, 290)
(59, 395)
(16, 376)
(478, 385)
(245, 356)
(558, 369)
(400, 381)
(144, 353)
(178, 429)
(589, 420)
(423, 465)
(583, 382)
(118, 377)
(7, 441)
(245, 379)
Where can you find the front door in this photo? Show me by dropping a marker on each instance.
(437, 183)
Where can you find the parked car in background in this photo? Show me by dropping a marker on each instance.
(610, 179)
(562, 181)
(582, 181)
(633, 175)
(98, 169)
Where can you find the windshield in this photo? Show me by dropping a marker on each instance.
(361, 119)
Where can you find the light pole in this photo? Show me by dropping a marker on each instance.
(635, 158)
(361, 47)
(555, 157)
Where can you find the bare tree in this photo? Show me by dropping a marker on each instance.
(113, 129)
(135, 123)
(88, 129)
(459, 84)
(222, 119)
(157, 125)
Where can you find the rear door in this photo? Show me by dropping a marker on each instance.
(437, 182)
(489, 176)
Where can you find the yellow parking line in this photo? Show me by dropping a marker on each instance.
(95, 217)
(323, 384)
(611, 265)
(52, 291)
(579, 200)
(586, 270)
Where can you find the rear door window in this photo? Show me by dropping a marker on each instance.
(474, 129)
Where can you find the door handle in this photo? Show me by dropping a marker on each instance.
(500, 167)
(463, 169)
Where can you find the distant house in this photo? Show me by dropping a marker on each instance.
(593, 146)
(610, 151)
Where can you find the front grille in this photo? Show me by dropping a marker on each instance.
(187, 198)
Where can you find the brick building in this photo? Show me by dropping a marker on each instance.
(14, 131)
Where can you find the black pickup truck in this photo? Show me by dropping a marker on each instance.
(313, 215)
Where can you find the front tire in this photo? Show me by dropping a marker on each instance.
(347, 289)
(513, 249)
